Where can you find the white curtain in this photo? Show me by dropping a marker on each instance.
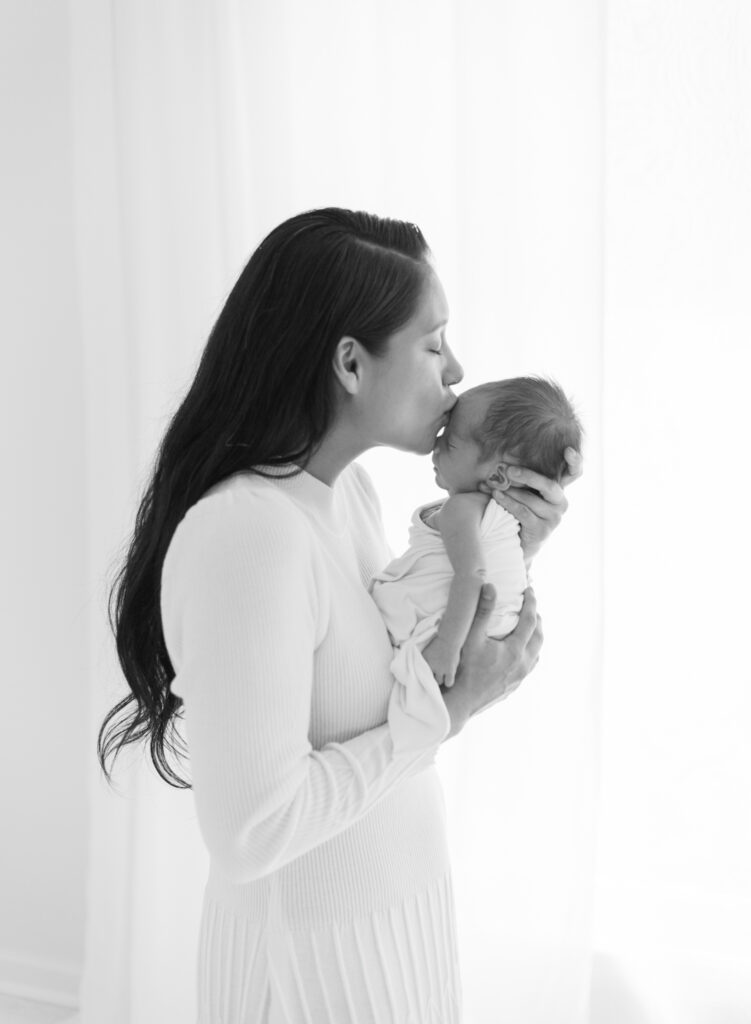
(673, 895)
(526, 142)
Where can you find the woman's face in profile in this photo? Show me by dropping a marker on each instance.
(408, 395)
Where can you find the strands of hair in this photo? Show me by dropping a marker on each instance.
(263, 394)
(532, 419)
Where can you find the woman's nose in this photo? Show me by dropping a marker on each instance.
(453, 371)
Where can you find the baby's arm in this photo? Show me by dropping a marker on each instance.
(459, 523)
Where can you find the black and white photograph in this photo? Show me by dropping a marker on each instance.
(375, 562)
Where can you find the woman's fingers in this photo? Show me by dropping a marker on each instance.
(535, 643)
(530, 506)
(523, 645)
(495, 668)
(575, 464)
(526, 637)
(539, 513)
(478, 631)
(528, 619)
(550, 490)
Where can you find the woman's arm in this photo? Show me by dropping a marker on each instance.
(242, 614)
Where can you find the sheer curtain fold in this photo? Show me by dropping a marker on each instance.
(198, 127)
(674, 881)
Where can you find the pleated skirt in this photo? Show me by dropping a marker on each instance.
(397, 966)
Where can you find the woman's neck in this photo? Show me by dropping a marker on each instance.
(338, 448)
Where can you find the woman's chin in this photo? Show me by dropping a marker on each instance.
(422, 447)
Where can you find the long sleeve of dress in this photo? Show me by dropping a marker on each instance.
(245, 599)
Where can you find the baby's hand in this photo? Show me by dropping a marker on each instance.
(443, 660)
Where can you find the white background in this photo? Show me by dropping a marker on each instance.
(581, 170)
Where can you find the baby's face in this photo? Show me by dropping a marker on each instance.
(457, 459)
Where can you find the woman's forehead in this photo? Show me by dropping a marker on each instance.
(433, 310)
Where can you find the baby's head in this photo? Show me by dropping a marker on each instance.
(522, 421)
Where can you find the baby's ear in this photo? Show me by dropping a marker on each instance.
(498, 480)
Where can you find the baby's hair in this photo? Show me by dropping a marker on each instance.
(532, 419)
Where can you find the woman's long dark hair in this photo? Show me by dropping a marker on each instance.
(263, 394)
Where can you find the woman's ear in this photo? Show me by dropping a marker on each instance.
(347, 364)
(498, 480)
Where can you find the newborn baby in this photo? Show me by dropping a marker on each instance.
(456, 545)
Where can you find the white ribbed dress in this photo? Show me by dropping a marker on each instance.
(329, 897)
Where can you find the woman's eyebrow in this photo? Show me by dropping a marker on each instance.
(437, 327)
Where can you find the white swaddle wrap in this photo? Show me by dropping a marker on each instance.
(412, 593)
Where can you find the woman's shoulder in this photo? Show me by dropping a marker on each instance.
(241, 493)
(243, 508)
(243, 543)
(240, 490)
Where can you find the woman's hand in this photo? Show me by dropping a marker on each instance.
(538, 514)
(490, 669)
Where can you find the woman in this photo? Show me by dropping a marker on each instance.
(243, 605)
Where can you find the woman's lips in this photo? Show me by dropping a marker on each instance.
(444, 420)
